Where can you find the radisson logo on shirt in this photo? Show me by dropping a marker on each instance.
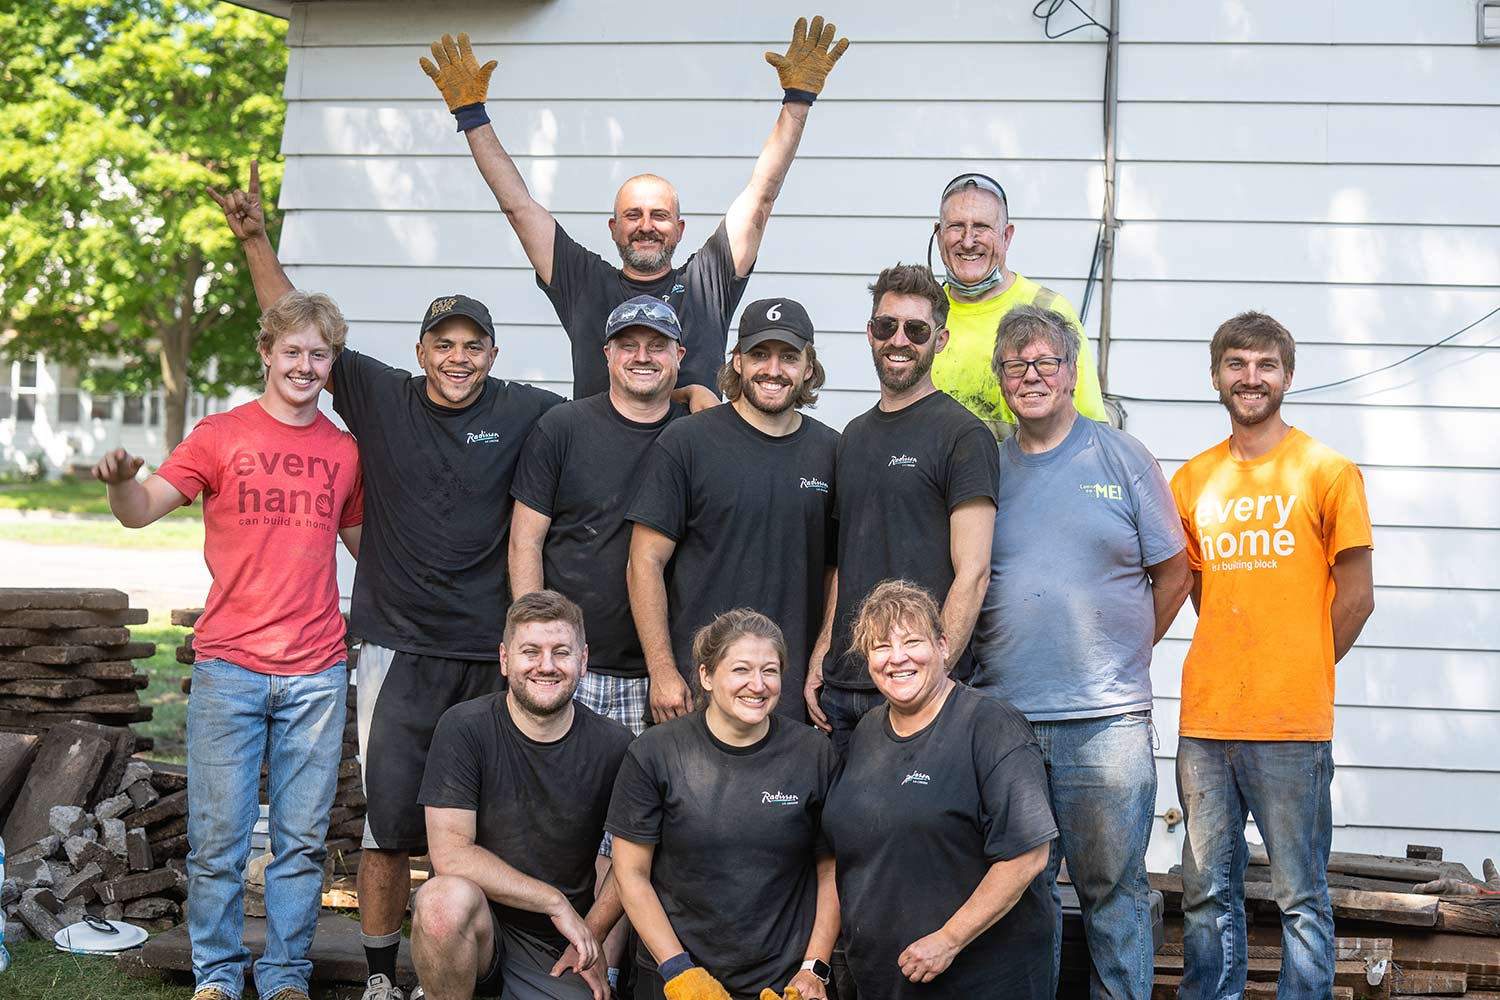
(814, 484)
(481, 437)
(917, 778)
(778, 798)
(902, 460)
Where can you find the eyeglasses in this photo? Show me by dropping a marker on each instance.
(658, 311)
(918, 331)
(1016, 368)
(983, 182)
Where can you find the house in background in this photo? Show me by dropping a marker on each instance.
(1332, 162)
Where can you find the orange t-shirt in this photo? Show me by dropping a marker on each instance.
(1264, 534)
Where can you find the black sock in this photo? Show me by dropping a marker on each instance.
(382, 961)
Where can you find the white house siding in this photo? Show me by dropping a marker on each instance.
(1333, 162)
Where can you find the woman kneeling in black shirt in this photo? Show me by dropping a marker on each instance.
(940, 823)
(716, 821)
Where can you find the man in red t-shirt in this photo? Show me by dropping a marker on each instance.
(280, 485)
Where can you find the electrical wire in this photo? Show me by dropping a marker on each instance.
(1053, 6)
(1343, 381)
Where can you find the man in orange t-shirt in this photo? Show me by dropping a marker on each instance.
(1279, 543)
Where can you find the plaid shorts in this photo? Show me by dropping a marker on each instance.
(627, 700)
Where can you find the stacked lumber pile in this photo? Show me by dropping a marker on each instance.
(1391, 941)
(66, 655)
(346, 823)
(91, 830)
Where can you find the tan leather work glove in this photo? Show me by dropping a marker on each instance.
(695, 984)
(809, 57)
(457, 73)
(792, 993)
(1452, 886)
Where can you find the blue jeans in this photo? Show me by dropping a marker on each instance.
(1286, 787)
(235, 718)
(844, 708)
(1102, 777)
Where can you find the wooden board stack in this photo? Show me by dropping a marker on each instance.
(346, 822)
(65, 654)
(1431, 945)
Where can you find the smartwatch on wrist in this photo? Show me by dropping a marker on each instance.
(818, 968)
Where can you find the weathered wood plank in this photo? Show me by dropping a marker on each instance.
(59, 618)
(62, 599)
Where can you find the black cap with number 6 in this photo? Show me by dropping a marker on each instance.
(775, 319)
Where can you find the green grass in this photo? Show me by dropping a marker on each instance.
(40, 972)
(71, 496)
(168, 725)
(168, 533)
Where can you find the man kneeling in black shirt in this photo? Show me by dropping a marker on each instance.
(516, 790)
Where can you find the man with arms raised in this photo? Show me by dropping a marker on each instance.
(439, 452)
(973, 232)
(738, 501)
(917, 484)
(516, 792)
(1279, 543)
(280, 483)
(647, 223)
(1088, 573)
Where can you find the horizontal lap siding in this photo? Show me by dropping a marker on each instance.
(1332, 162)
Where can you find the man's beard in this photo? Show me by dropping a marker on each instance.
(637, 255)
(1271, 407)
(901, 381)
(788, 399)
(522, 694)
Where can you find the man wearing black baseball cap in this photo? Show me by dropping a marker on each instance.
(739, 499)
(439, 451)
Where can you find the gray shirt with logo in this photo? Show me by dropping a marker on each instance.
(1066, 627)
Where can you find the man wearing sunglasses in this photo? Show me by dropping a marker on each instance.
(917, 478)
(647, 223)
(1089, 569)
(738, 500)
(973, 233)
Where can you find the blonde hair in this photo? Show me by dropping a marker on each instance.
(893, 603)
(297, 309)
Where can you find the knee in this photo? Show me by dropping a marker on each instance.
(446, 909)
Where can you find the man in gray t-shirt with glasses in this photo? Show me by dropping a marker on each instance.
(1088, 571)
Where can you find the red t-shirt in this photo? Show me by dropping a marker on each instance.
(274, 498)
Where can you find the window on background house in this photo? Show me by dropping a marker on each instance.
(26, 390)
(101, 407)
(25, 408)
(135, 410)
(26, 373)
(5, 403)
(68, 403)
(156, 410)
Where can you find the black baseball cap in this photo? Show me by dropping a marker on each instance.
(446, 306)
(775, 319)
(644, 310)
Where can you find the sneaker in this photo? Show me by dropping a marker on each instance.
(417, 993)
(213, 993)
(289, 993)
(380, 987)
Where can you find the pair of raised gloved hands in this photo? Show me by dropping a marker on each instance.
(465, 84)
(697, 984)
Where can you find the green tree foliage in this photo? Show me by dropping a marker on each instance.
(113, 119)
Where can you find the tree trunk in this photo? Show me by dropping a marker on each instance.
(176, 337)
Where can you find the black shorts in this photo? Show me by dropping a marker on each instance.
(522, 968)
(400, 698)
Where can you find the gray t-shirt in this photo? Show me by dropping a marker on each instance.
(1066, 627)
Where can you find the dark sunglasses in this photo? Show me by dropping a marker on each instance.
(918, 331)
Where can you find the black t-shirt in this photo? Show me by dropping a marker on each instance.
(580, 467)
(752, 516)
(539, 807)
(736, 832)
(431, 576)
(704, 290)
(916, 822)
(900, 475)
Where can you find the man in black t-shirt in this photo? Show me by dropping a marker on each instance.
(735, 509)
(438, 453)
(578, 473)
(918, 477)
(647, 223)
(516, 792)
